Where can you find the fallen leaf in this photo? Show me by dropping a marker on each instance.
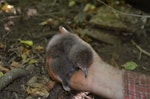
(15, 64)
(71, 3)
(8, 8)
(24, 57)
(26, 42)
(31, 12)
(89, 7)
(3, 69)
(50, 85)
(130, 65)
(2, 46)
(32, 61)
(37, 91)
(1, 74)
(26, 51)
(48, 21)
(39, 48)
(8, 25)
(39, 86)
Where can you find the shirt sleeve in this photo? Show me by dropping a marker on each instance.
(136, 86)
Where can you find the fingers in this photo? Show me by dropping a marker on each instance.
(79, 82)
(52, 74)
(63, 30)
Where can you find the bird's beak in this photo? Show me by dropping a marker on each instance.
(85, 71)
(65, 87)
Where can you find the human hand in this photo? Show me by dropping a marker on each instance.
(102, 78)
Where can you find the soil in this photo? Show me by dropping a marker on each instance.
(27, 27)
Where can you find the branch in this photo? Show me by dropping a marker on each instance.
(7, 78)
(140, 49)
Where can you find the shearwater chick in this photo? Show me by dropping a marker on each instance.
(57, 63)
(78, 53)
(61, 69)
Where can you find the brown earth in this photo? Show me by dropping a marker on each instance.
(26, 27)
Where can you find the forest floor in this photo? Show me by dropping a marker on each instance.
(38, 20)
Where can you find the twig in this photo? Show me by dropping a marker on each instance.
(140, 49)
(3, 69)
(123, 13)
(54, 2)
(13, 74)
(146, 68)
(140, 55)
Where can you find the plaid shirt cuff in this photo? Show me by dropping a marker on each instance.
(136, 86)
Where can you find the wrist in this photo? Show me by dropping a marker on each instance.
(108, 82)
